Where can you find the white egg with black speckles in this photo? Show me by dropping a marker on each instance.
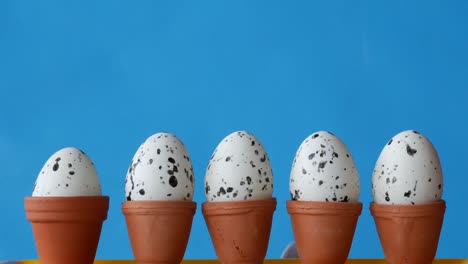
(239, 169)
(160, 170)
(68, 172)
(408, 171)
(323, 170)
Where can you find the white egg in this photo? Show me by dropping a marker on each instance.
(324, 170)
(408, 171)
(160, 170)
(68, 172)
(239, 169)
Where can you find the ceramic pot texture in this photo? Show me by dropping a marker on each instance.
(240, 230)
(409, 233)
(159, 230)
(323, 231)
(67, 229)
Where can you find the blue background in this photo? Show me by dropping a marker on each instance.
(105, 75)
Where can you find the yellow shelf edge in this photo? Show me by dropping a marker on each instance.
(267, 261)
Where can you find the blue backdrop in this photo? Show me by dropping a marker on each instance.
(105, 75)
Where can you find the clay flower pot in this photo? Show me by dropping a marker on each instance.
(159, 230)
(240, 230)
(66, 229)
(323, 231)
(409, 233)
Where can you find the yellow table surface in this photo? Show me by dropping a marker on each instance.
(267, 261)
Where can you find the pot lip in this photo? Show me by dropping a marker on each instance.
(405, 209)
(440, 202)
(64, 198)
(65, 203)
(323, 208)
(151, 204)
(323, 204)
(242, 205)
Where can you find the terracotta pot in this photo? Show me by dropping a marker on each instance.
(66, 229)
(240, 230)
(159, 230)
(323, 231)
(409, 233)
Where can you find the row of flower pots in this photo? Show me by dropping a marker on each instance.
(67, 208)
(67, 229)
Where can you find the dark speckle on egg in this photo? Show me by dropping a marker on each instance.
(221, 191)
(296, 195)
(321, 165)
(249, 180)
(173, 181)
(410, 150)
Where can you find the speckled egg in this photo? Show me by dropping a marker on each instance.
(160, 170)
(68, 172)
(323, 170)
(408, 171)
(239, 169)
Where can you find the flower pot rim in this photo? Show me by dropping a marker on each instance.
(65, 203)
(150, 207)
(441, 201)
(83, 197)
(324, 208)
(238, 207)
(153, 203)
(76, 208)
(408, 210)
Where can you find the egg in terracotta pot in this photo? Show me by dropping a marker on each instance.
(68, 172)
(408, 171)
(161, 169)
(323, 170)
(238, 170)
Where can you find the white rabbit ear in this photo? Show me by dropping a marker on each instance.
(290, 251)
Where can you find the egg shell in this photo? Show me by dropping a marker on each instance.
(161, 170)
(324, 170)
(68, 172)
(239, 169)
(407, 171)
